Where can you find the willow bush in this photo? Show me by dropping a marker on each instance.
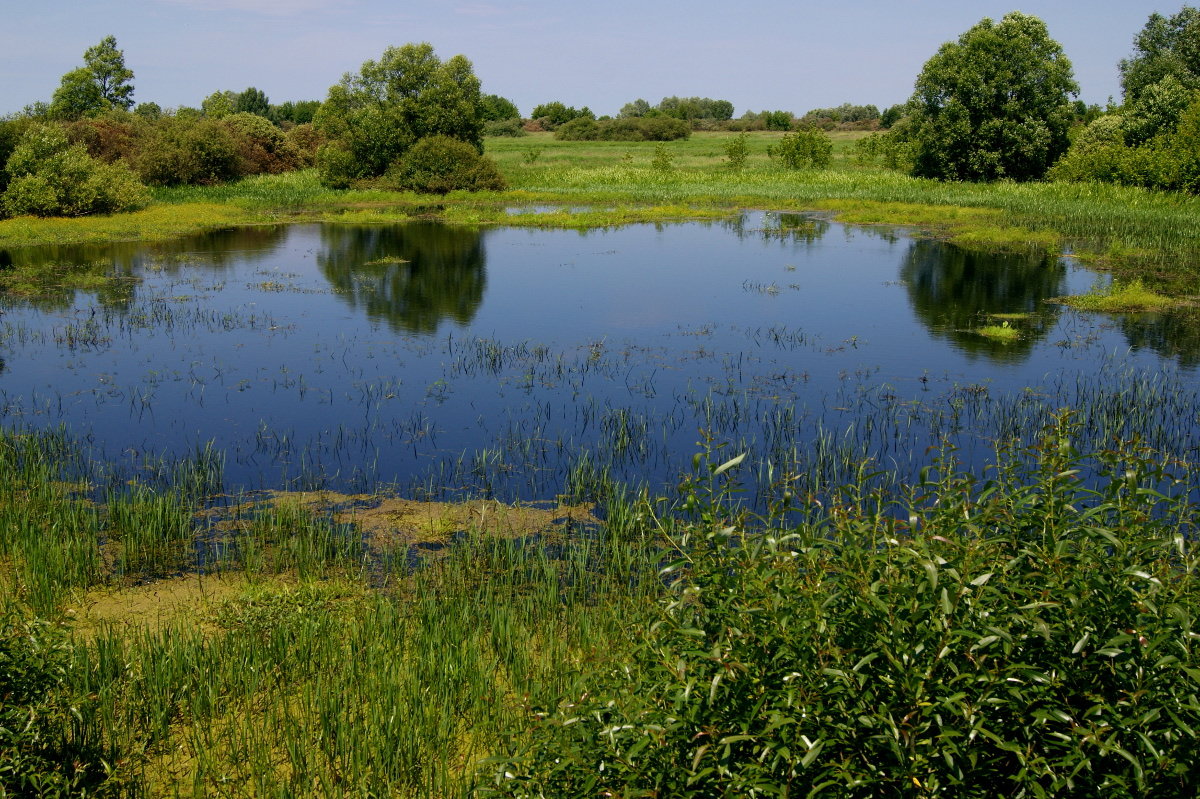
(1029, 634)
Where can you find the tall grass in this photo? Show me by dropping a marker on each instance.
(312, 662)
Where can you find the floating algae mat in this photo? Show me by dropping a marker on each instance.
(447, 364)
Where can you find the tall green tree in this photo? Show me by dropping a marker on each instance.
(372, 118)
(1165, 47)
(112, 77)
(994, 104)
(252, 101)
(77, 96)
(101, 84)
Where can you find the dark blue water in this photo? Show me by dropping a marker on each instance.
(451, 361)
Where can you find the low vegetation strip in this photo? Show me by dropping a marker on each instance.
(1136, 232)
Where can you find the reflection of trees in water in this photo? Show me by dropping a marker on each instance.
(954, 292)
(1175, 336)
(111, 271)
(413, 275)
(790, 227)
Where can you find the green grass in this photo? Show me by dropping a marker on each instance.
(1121, 296)
(1003, 332)
(1027, 632)
(1135, 232)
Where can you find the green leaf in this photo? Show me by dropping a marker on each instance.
(729, 464)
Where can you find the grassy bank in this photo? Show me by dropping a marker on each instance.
(1134, 232)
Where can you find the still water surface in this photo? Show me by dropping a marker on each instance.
(453, 361)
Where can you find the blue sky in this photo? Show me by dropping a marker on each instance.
(759, 54)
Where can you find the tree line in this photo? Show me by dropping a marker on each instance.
(997, 103)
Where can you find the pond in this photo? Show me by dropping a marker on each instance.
(525, 364)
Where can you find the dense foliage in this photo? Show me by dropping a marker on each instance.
(49, 176)
(101, 84)
(555, 113)
(38, 757)
(372, 118)
(1165, 47)
(803, 149)
(1109, 150)
(440, 164)
(765, 120)
(690, 109)
(845, 116)
(994, 104)
(1023, 636)
(651, 128)
(1151, 139)
(494, 108)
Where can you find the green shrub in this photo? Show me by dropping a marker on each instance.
(1024, 636)
(494, 108)
(578, 129)
(890, 149)
(736, 151)
(186, 151)
(504, 127)
(440, 164)
(49, 176)
(553, 114)
(38, 757)
(262, 147)
(801, 149)
(377, 114)
(11, 131)
(1103, 152)
(336, 165)
(663, 160)
(304, 141)
(651, 128)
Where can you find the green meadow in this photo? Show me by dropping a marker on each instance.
(1136, 233)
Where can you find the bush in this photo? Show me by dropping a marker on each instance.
(553, 114)
(49, 176)
(11, 131)
(1025, 637)
(37, 755)
(578, 129)
(656, 128)
(184, 151)
(504, 127)
(890, 149)
(262, 147)
(1102, 152)
(803, 149)
(440, 164)
(371, 119)
(109, 138)
(304, 141)
(736, 151)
